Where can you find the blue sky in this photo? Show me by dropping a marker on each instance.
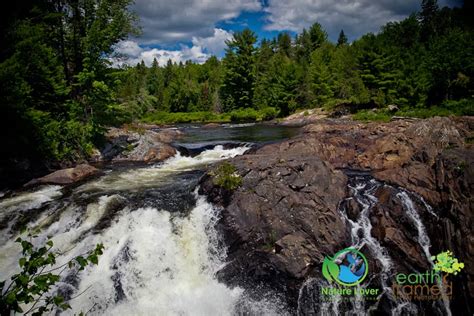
(183, 30)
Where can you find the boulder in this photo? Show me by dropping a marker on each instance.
(392, 108)
(211, 125)
(284, 218)
(66, 176)
(137, 146)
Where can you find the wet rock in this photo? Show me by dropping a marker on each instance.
(392, 108)
(304, 117)
(284, 218)
(66, 176)
(285, 209)
(211, 125)
(137, 146)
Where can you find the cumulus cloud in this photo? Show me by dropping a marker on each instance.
(130, 52)
(215, 44)
(165, 21)
(356, 17)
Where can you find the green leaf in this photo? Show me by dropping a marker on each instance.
(11, 297)
(333, 269)
(326, 273)
(330, 269)
(65, 306)
(22, 262)
(58, 300)
(93, 259)
(82, 262)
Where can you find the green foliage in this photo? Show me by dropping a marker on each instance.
(186, 117)
(32, 287)
(59, 91)
(270, 241)
(369, 115)
(65, 140)
(342, 39)
(226, 176)
(243, 115)
(268, 113)
(461, 107)
(238, 83)
(56, 90)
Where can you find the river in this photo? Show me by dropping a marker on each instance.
(162, 251)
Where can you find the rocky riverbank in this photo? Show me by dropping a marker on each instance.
(286, 216)
(140, 145)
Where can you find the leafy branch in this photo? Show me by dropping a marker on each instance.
(34, 283)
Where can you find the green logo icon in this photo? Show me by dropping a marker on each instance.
(446, 262)
(347, 267)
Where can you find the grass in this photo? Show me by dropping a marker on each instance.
(226, 176)
(185, 117)
(369, 115)
(448, 108)
(240, 115)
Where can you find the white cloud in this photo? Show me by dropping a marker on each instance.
(215, 44)
(356, 17)
(165, 21)
(130, 53)
(128, 48)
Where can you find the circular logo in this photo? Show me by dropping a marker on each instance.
(347, 267)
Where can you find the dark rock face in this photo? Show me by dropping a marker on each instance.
(66, 176)
(144, 146)
(284, 219)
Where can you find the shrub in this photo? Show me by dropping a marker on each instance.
(244, 115)
(185, 117)
(225, 176)
(34, 283)
(268, 113)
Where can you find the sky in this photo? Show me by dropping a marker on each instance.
(194, 30)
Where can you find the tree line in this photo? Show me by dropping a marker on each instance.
(59, 89)
(420, 62)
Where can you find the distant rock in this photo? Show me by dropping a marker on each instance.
(304, 117)
(137, 146)
(392, 108)
(66, 176)
(211, 125)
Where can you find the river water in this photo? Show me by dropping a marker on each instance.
(161, 248)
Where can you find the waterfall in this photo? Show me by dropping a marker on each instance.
(156, 260)
(423, 238)
(362, 189)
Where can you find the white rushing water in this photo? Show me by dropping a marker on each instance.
(363, 193)
(139, 178)
(155, 262)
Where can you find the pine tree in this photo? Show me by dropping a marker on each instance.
(284, 44)
(317, 35)
(239, 78)
(428, 17)
(321, 85)
(342, 39)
